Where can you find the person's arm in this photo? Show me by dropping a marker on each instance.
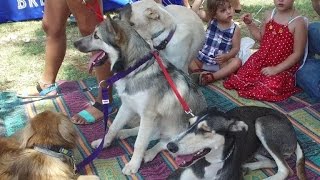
(256, 32)
(186, 3)
(234, 50)
(201, 13)
(316, 6)
(300, 41)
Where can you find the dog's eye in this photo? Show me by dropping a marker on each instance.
(131, 24)
(96, 36)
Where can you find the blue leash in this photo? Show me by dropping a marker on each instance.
(105, 103)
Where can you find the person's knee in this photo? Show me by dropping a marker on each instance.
(85, 30)
(53, 30)
(308, 77)
(237, 62)
(314, 37)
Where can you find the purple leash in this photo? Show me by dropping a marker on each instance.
(105, 102)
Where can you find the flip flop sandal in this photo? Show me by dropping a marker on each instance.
(42, 92)
(89, 118)
(206, 78)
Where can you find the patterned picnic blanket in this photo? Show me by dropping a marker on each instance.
(77, 95)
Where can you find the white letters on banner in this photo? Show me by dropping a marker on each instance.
(29, 3)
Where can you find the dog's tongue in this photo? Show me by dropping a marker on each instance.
(95, 58)
(181, 160)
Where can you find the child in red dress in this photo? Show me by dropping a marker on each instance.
(269, 74)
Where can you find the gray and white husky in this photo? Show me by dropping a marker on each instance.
(144, 93)
(217, 145)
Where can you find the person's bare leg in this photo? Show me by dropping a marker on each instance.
(54, 20)
(186, 3)
(87, 20)
(227, 69)
(236, 5)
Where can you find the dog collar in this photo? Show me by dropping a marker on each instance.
(155, 35)
(57, 152)
(164, 43)
(229, 154)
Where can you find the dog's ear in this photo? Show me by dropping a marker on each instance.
(152, 13)
(109, 26)
(116, 30)
(27, 133)
(238, 126)
(203, 125)
(67, 131)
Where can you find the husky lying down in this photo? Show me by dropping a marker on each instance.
(144, 92)
(217, 144)
(155, 22)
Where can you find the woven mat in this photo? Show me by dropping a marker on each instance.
(77, 95)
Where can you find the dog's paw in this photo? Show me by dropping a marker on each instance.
(149, 155)
(95, 144)
(130, 168)
(239, 126)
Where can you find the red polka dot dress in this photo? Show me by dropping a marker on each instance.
(276, 45)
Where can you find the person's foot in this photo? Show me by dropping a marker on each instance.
(40, 90)
(202, 78)
(91, 114)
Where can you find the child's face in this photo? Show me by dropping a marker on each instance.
(224, 13)
(283, 5)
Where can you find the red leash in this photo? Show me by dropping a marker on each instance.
(94, 7)
(184, 104)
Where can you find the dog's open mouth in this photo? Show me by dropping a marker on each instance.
(187, 160)
(97, 59)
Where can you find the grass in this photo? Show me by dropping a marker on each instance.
(22, 46)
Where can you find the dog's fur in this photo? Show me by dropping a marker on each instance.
(144, 92)
(19, 159)
(234, 138)
(150, 18)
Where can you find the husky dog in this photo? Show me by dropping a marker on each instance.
(144, 92)
(218, 145)
(155, 23)
(40, 150)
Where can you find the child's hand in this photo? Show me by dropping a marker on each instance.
(221, 58)
(246, 18)
(269, 71)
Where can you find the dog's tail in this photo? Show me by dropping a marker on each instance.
(301, 173)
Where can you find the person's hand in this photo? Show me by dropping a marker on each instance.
(221, 58)
(247, 18)
(269, 71)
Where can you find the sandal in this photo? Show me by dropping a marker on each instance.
(91, 114)
(206, 78)
(203, 78)
(51, 90)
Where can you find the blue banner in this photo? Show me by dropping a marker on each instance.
(22, 10)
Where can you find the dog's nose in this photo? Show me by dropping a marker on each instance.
(172, 147)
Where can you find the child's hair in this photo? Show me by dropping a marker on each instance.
(213, 5)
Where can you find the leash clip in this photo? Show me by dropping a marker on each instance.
(189, 112)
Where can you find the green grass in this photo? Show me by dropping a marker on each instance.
(22, 47)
